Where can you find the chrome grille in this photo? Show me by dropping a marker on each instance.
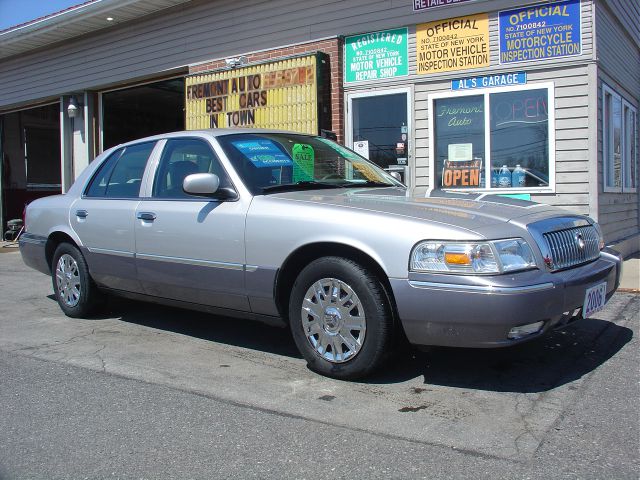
(566, 250)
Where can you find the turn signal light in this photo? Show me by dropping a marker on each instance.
(455, 258)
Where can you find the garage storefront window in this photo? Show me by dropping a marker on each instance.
(619, 142)
(494, 139)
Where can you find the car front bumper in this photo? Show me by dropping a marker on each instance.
(479, 311)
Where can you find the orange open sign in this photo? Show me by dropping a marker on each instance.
(461, 173)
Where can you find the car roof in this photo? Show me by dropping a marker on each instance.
(211, 132)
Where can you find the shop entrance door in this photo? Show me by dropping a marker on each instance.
(378, 129)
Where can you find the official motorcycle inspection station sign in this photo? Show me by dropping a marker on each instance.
(376, 56)
(542, 31)
(453, 44)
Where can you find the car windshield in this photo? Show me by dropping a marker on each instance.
(273, 162)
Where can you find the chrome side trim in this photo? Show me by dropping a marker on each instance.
(106, 251)
(483, 288)
(191, 261)
(250, 268)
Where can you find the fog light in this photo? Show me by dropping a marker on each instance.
(524, 330)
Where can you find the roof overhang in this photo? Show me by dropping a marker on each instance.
(78, 20)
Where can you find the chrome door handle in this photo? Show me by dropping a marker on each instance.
(81, 213)
(146, 216)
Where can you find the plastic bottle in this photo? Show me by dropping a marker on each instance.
(494, 178)
(504, 177)
(518, 177)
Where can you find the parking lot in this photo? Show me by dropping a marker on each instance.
(570, 399)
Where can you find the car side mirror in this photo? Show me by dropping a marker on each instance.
(208, 185)
(201, 184)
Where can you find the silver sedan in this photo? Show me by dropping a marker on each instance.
(296, 228)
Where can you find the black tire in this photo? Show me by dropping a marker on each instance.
(341, 361)
(76, 294)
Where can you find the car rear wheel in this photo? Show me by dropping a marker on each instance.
(340, 318)
(75, 291)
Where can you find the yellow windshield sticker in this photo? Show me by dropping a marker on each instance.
(367, 171)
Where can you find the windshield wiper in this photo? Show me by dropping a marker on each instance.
(302, 185)
(368, 183)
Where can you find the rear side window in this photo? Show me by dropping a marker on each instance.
(121, 174)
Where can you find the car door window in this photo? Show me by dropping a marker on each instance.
(183, 157)
(121, 174)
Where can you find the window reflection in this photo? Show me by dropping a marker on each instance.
(459, 142)
(520, 137)
(518, 154)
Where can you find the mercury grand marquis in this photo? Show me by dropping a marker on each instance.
(276, 225)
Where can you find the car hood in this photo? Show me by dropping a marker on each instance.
(469, 211)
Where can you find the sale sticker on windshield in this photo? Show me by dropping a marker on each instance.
(303, 162)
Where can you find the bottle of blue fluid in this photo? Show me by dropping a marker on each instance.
(494, 178)
(518, 177)
(504, 177)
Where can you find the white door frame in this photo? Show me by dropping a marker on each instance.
(349, 96)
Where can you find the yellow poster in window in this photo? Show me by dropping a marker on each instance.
(460, 43)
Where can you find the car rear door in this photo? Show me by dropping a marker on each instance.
(191, 248)
(104, 217)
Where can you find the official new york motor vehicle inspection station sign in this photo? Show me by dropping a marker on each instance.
(459, 43)
(281, 95)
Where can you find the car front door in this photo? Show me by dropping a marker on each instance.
(191, 248)
(104, 217)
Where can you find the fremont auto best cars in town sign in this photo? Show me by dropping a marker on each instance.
(265, 224)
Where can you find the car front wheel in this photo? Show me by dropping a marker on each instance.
(75, 291)
(340, 318)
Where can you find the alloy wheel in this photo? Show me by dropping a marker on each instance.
(68, 280)
(333, 320)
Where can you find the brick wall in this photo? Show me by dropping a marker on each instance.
(332, 48)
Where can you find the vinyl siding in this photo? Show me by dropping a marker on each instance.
(199, 31)
(571, 81)
(618, 54)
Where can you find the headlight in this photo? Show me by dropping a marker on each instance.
(498, 256)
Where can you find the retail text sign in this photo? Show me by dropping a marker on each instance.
(454, 44)
(542, 31)
(376, 56)
(281, 95)
(420, 5)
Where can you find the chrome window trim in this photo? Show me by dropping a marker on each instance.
(154, 165)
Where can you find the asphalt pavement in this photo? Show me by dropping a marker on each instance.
(142, 391)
